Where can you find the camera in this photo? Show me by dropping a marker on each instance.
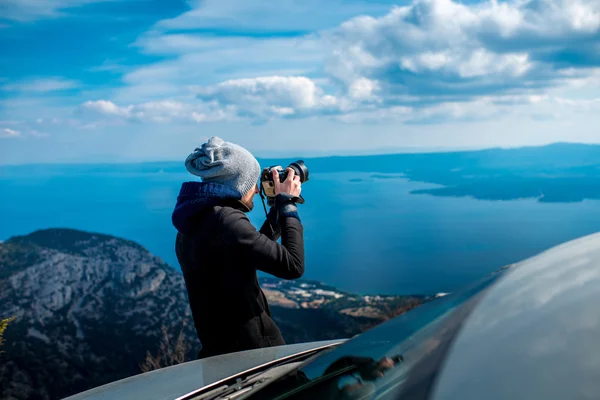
(266, 178)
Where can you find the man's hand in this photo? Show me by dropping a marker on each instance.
(291, 185)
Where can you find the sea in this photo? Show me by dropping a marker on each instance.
(364, 231)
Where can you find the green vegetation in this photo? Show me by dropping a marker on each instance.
(3, 325)
(72, 241)
(168, 353)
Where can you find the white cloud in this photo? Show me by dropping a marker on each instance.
(165, 111)
(273, 95)
(9, 133)
(255, 99)
(195, 61)
(425, 55)
(31, 10)
(41, 85)
(375, 115)
(432, 61)
(447, 49)
(264, 15)
(363, 89)
(113, 66)
(266, 98)
(107, 108)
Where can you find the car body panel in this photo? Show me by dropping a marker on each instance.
(412, 336)
(176, 381)
(532, 332)
(535, 335)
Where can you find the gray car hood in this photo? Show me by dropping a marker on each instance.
(173, 382)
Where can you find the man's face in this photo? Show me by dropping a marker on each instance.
(248, 198)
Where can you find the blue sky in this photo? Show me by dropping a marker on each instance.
(112, 80)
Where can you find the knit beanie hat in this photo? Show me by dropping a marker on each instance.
(225, 163)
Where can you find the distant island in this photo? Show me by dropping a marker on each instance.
(560, 172)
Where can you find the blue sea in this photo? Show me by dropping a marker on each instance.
(364, 232)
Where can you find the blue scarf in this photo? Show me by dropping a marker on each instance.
(197, 196)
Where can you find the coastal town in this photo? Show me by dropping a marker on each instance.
(305, 294)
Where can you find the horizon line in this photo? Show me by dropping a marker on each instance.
(393, 151)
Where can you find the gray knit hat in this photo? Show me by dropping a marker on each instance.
(225, 163)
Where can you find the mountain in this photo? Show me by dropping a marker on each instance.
(89, 307)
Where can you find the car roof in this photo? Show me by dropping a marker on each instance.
(179, 380)
(536, 333)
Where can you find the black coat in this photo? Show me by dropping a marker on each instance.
(220, 253)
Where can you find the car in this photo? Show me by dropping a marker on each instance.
(530, 330)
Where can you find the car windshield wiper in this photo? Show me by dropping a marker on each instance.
(239, 384)
(243, 386)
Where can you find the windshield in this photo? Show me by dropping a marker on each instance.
(380, 362)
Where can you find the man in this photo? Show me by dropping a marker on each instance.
(220, 251)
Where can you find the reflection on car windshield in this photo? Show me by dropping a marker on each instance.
(378, 362)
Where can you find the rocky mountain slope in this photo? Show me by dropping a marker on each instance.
(89, 307)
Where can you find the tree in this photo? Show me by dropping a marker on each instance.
(3, 325)
(168, 354)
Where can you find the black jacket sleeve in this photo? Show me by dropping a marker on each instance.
(285, 260)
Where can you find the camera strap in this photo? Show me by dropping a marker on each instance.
(262, 198)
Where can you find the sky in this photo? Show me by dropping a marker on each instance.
(141, 80)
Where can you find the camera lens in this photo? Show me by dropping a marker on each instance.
(300, 170)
